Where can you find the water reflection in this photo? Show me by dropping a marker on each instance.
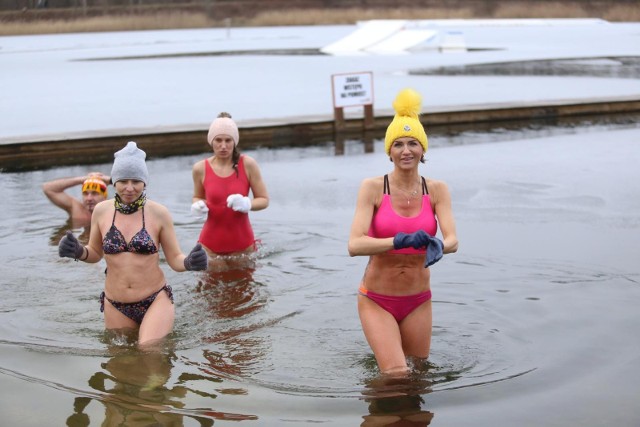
(232, 294)
(609, 67)
(58, 232)
(280, 341)
(400, 411)
(397, 401)
(134, 390)
(367, 139)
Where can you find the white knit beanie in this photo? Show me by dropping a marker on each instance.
(223, 126)
(129, 164)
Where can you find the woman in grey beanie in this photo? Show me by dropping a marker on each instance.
(128, 232)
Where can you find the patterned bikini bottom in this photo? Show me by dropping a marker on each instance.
(136, 310)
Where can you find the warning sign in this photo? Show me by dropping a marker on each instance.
(352, 89)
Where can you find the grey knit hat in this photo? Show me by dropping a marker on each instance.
(129, 164)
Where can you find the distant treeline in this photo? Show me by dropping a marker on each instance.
(71, 16)
(220, 9)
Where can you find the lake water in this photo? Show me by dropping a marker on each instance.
(535, 318)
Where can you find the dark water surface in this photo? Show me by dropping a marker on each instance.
(535, 318)
(626, 67)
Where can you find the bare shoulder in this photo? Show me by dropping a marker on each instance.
(372, 184)
(249, 162)
(198, 167)
(103, 207)
(158, 210)
(371, 190)
(436, 184)
(437, 189)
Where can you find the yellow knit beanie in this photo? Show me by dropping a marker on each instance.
(406, 121)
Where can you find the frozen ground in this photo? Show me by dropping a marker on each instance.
(65, 85)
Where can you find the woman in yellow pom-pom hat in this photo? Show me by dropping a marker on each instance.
(395, 223)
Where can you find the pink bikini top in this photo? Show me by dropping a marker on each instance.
(387, 223)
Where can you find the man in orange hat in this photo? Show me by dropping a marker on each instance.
(94, 190)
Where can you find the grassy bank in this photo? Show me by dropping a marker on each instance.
(148, 18)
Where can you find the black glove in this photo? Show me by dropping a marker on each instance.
(416, 240)
(434, 251)
(69, 247)
(197, 259)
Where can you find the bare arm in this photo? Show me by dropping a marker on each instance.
(198, 177)
(93, 249)
(442, 206)
(55, 191)
(258, 188)
(168, 240)
(359, 241)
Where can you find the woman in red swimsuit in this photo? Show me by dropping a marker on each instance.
(395, 224)
(128, 232)
(221, 185)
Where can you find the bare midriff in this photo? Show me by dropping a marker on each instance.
(397, 274)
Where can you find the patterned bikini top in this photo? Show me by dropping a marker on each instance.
(141, 243)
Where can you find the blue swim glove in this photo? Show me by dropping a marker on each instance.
(416, 240)
(197, 259)
(434, 251)
(69, 247)
(420, 239)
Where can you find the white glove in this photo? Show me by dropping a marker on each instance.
(199, 209)
(239, 203)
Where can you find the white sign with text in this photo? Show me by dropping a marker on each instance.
(352, 89)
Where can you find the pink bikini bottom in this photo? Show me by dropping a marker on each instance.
(398, 306)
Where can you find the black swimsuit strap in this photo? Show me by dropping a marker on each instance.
(387, 190)
(113, 221)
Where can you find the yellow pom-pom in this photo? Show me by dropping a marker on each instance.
(406, 122)
(408, 103)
